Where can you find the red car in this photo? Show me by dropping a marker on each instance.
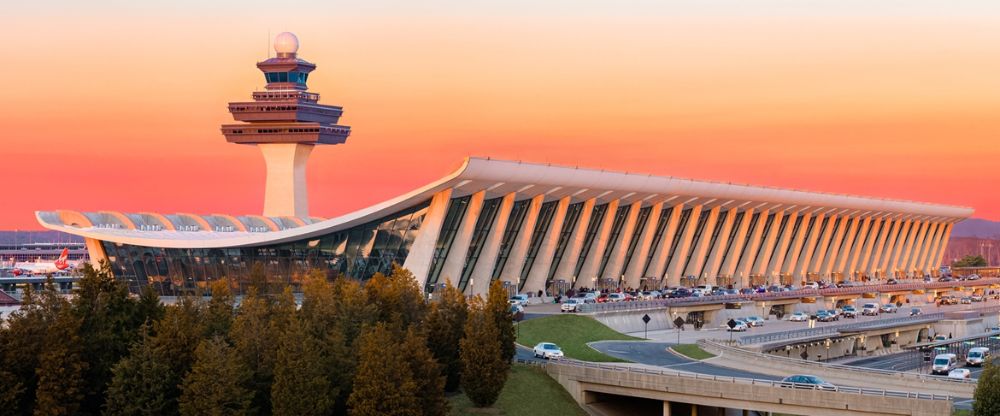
(603, 298)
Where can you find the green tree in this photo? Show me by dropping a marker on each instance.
(61, 368)
(216, 385)
(383, 383)
(255, 341)
(141, 384)
(986, 399)
(498, 309)
(970, 261)
(445, 325)
(398, 297)
(302, 385)
(426, 374)
(21, 338)
(484, 368)
(219, 313)
(148, 309)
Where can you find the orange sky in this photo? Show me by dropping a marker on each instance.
(117, 105)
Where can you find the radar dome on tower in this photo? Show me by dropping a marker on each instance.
(286, 44)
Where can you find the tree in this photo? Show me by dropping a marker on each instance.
(398, 297)
(219, 313)
(383, 383)
(445, 325)
(255, 342)
(302, 385)
(141, 384)
(484, 368)
(498, 309)
(216, 384)
(21, 338)
(149, 309)
(970, 261)
(61, 368)
(986, 399)
(426, 374)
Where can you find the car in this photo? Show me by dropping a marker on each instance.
(850, 312)
(965, 300)
(802, 381)
(811, 285)
(680, 293)
(617, 297)
(824, 316)
(940, 338)
(870, 309)
(740, 326)
(978, 298)
(928, 279)
(798, 317)
(835, 312)
(960, 373)
(946, 279)
(586, 297)
(519, 299)
(650, 294)
(890, 308)
(571, 305)
(891, 281)
(754, 320)
(943, 364)
(517, 311)
(972, 277)
(547, 350)
(915, 311)
(603, 298)
(696, 292)
(977, 356)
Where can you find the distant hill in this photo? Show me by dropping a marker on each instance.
(977, 228)
(21, 237)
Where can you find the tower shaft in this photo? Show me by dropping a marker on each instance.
(285, 193)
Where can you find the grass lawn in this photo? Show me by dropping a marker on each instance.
(692, 351)
(529, 391)
(571, 333)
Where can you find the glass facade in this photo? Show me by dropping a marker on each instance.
(763, 239)
(484, 224)
(661, 227)
(358, 252)
(452, 220)
(517, 214)
(616, 230)
(698, 232)
(754, 219)
(719, 223)
(293, 76)
(640, 225)
(596, 218)
(545, 217)
(681, 226)
(737, 222)
(572, 217)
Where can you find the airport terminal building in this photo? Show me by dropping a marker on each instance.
(534, 226)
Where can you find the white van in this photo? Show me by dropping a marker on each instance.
(977, 356)
(706, 289)
(943, 363)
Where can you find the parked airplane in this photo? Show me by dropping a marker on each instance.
(45, 267)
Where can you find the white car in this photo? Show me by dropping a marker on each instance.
(798, 317)
(870, 309)
(616, 297)
(740, 326)
(547, 350)
(519, 299)
(571, 305)
(960, 373)
(754, 321)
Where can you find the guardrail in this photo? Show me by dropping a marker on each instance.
(833, 291)
(756, 356)
(753, 381)
(830, 329)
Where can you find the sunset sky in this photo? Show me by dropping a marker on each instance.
(116, 105)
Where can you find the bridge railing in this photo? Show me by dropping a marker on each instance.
(742, 380)
(805, 364)
(832, 329)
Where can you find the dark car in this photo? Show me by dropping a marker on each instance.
(946, 279)
(680, 293)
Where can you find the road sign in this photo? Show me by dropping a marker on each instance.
(679, 322)
(731, 324)
(645, 321)
(646, 318)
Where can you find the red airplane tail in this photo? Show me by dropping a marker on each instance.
(62, 263)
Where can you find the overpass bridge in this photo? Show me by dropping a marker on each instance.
(614, 390)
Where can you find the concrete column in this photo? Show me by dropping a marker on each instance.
(764, 254)
(285, 193)
(543, 258)
(701, 247)
(860, 263)
(750, 249)
(914, 252)
(728, 267)
(658, 264)
(905, 253)
(455, 259)
(851, 244)
(801, 266)
(418, 261)
(797, 244)
(615, 266)
(676, 267)
(816, 263)
(666, 408)
(588, 273)
(878, 252)
(718, 251)
(931, 235)
(567, 265)
(515, 260)
(96, 251)
(833, 250)
(482, 274)
(928, 265)
(633, 270)
(777, 259)
(897, 248)
(941, 247)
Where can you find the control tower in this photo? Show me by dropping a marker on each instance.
(285, 122)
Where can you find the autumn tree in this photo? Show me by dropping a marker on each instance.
(498, 310)
(383, 383)
(216, 385)
(445, 326)
(484, 368)
(219, 312)
(398, 297)
(426, 374)
(255, 342)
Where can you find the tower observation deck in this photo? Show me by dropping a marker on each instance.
(285, 122)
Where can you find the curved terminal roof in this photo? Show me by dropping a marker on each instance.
(497, 178)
